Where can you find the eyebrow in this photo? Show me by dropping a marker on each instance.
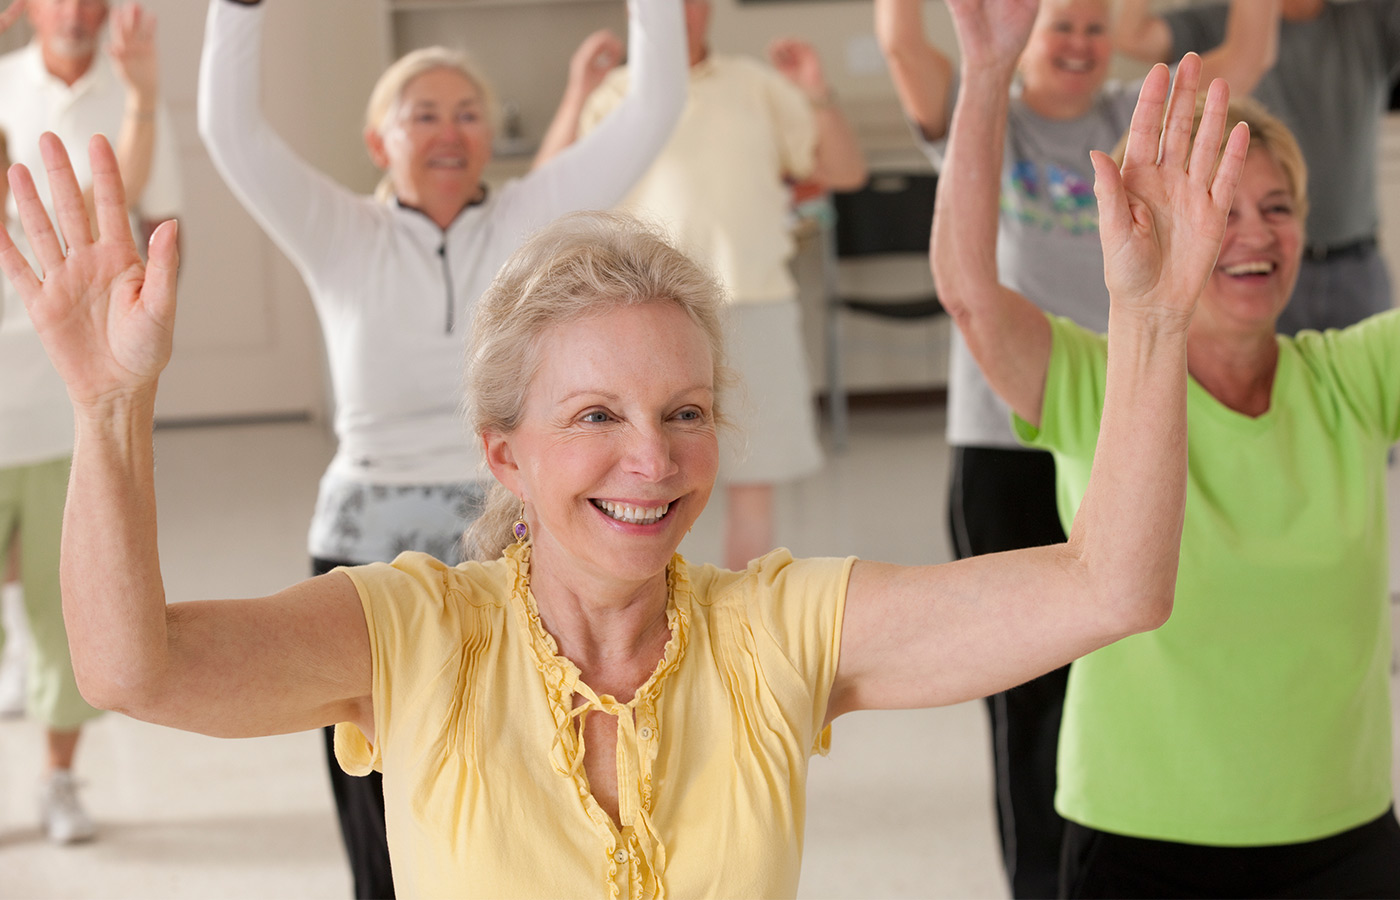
(609, 397)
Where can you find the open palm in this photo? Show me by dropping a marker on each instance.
(105, 318)
(1162, 216)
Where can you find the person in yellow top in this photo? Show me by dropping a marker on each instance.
(586, 713)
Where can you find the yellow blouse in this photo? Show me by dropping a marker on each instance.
(479, 740)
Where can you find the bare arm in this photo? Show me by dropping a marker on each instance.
(11, 15)
(1140, 33)
(921, 73)
(292, 661)
(598, 55)
(133, 52)
(1250, 48)
(1006, 333)
(839, 163)
(942, 634)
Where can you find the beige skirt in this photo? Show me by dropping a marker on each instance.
(772, 436)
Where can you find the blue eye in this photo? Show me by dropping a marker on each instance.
(595, 416)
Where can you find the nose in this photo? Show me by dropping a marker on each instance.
(1249, 229)
(649, 454)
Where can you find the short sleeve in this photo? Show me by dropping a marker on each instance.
(1075, 384)
(415, 630)
(1363, 361)
(801, 604)
(1196, 29)
(794, 124)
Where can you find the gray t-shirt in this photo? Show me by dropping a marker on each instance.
(1330, 86)
(1047, 241)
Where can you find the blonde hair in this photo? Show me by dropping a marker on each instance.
(1266, 132)
(389, 89)
(584, 264)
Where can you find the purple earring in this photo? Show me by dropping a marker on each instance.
(520, 529)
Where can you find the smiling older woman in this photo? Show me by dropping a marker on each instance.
(1244, 749)
(589, 713)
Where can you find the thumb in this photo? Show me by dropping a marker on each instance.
(162, 269)
(1114, 217)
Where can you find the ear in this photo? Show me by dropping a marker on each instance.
(500, 457)
(374, 142)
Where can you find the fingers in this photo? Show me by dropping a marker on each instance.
(1181, 113)
(108, 192)
(1144, 134)
(69, 209)
(16, 268)
(1207, 146)
(43, 240)
(1227, 176)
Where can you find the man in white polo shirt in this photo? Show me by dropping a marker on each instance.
(60, 82)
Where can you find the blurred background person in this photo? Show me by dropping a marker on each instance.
(61, 83)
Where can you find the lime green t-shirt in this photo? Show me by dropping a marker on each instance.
(1260, 712)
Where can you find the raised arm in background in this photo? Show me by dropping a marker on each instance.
(839, 163)
(299, 658)
(920, 71)
(942, 634)
(598, 55)
(11, 15)
(132, 48)
(1249, 50)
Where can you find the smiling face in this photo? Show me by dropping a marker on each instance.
(1259, 258)
(436, 141)
(616, 451)
(1067, 55)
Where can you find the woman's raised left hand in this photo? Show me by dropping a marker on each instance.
(105, 318)
(1162, 216)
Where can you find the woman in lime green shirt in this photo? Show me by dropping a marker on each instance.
(587, 714)
(1243, 749)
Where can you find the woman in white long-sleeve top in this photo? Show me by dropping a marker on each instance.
(394, 278)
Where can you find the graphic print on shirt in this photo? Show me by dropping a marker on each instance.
(1050, 197)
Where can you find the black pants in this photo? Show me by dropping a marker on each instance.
(1005, 500)
(1362, 862)
(359, 802)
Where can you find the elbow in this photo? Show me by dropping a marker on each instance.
(115, 694)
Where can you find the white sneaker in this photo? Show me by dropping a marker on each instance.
(62, 813)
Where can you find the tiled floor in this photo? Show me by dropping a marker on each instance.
(899, 809)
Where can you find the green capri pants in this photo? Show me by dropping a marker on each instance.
(31, 508)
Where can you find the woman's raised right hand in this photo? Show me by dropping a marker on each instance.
(105, 318)
(993, 32)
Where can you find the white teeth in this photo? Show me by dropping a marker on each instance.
(1250, 268)
(633, 515)
(1076, 65)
